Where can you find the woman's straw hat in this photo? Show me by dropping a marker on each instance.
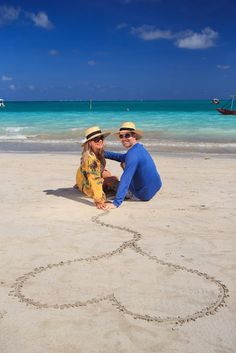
(128, 126)
(93, 132)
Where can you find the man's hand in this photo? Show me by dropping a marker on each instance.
(110, 206)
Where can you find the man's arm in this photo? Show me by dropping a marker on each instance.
(130, 167)
(119, 157)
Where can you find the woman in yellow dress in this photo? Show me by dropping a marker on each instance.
(92, 178)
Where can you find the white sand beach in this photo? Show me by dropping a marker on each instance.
(155, 276)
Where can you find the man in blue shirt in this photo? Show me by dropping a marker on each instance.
(140, 175)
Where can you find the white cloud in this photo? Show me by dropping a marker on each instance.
(91, 62)
(12, 87)
(186, 39)
(53, 52)
(8, 14)
(203, 40)
(147, 32)
(41, 20)
(122, 25)
(223, 67)
(6, 78)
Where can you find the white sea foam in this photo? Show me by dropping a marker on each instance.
(13, 129)
(191, 144)
(13, 133)
(77, 129)
(12, 137)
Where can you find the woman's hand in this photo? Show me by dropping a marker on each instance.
(101, 205)
(106, 174)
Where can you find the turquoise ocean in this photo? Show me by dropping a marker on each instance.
(168, 126)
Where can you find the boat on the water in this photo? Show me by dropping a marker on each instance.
(2, 104)
(227, 109)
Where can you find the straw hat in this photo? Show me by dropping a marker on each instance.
(128, 126)
(93, 132)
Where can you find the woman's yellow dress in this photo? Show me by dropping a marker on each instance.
(89, 180)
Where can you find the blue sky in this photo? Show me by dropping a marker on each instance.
(117, 49)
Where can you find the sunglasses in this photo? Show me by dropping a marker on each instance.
(125, 136)
(97, 139)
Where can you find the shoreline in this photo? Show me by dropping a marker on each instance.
(154, 154)
(75, 147)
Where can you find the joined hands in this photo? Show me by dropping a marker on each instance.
(105, 206)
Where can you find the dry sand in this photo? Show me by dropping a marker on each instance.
(155, 276)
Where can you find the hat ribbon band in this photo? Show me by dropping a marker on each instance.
(127, 128)
(93, 133)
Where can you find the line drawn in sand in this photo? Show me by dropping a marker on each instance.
(132, 244)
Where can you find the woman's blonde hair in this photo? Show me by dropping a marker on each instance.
(87, 150)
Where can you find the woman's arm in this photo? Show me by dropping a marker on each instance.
(95, 181)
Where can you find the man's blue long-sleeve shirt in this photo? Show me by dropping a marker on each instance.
(140, 175)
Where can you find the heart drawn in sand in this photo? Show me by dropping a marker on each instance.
(144, 287)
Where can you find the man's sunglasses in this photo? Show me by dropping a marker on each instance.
(125, 136)
(97, 139)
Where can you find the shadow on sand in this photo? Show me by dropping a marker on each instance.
(70, 193)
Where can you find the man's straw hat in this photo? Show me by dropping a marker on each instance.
(93, 132)
(130, 127)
